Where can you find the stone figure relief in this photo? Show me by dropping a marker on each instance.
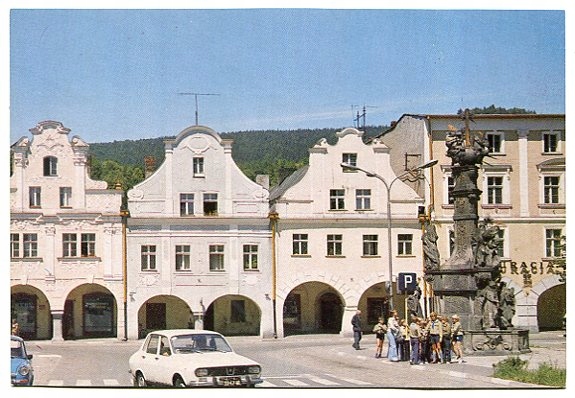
(430, 251)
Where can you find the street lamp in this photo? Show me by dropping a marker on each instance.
(425, 165)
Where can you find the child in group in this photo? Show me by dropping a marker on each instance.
(380, 329)
(457, 337)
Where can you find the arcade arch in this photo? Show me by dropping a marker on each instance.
(30, 307)
(313, 307)
(233, 315)
(90, 310)
(164, 312)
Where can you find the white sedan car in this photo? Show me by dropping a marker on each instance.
(186, 358)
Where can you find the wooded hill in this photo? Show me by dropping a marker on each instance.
(272, 152)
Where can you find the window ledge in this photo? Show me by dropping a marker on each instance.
(551, 205)
(73, 259)
(301, 255)
(252, 271)
(366, 256)
(335, 256)
(406, 256)
(496, 206)
(551, 153)
(27, 259)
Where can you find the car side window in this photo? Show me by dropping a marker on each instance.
(152, 346)
(165, 347)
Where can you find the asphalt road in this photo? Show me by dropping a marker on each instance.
(315, 361)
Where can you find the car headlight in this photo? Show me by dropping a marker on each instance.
(201, 372)
(255, 369)
(24, 370)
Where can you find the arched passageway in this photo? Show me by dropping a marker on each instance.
(164, 312)
(551, 308)
(233, 315)
(313, 307)
(90, 310)
(31, 309)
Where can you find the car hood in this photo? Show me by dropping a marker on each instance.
(213, 359)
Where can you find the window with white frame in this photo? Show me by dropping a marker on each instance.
(69, 245)
(494, 190)
(30, 245)
(217, 258)
(450, 188)
(300, 244)
(363, 199)
(370, 245)
(14, 245)
(186, 204)
(551, 142)
(404, 244)
(337, 199)
(183, 258)
(87, 245)
(250, 257)
(502, 243)
(551, 189)
(35, 194)
(210, 204)
(198, 166)
(553, 242)
(148, 258)
(50, 166)
(350, 159)
(65, 196)
(334, 244)
(495, 141)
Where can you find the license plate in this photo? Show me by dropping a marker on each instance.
(229, 381)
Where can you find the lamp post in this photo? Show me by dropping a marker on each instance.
(388, 186)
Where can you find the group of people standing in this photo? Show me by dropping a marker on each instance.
(430, 340)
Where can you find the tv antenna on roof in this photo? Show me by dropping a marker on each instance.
(196, 97)
(361, 117)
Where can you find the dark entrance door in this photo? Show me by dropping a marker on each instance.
(331, 313)
(155, 316)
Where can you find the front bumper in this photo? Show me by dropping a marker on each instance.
(227, 381)
(21, 381)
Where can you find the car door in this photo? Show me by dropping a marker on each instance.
(149, 358)
(164, 362)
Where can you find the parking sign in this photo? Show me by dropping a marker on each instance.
(406, 281)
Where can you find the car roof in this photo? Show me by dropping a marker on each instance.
(16, 338)
(178, 332)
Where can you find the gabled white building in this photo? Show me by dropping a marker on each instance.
(199, 242)
(65, 240)
(331, 233)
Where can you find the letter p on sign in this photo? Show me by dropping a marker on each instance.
(407, 281)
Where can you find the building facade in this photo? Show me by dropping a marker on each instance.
(331, 237)
(198, 242)
(66, 273)
(523, 192)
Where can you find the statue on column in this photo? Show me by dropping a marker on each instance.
(430, 251)
(413, 303)
(506, 305)
(486, 244)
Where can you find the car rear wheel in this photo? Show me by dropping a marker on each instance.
(179, 382)
(140, 380)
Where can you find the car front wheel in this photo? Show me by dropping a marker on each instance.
(140, 380)
(179, 382)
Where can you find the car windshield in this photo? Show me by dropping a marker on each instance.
(17, 349)
(195, 343)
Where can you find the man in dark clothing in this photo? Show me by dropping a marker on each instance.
(356, 323)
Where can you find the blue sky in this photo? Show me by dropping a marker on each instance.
(116, 74)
